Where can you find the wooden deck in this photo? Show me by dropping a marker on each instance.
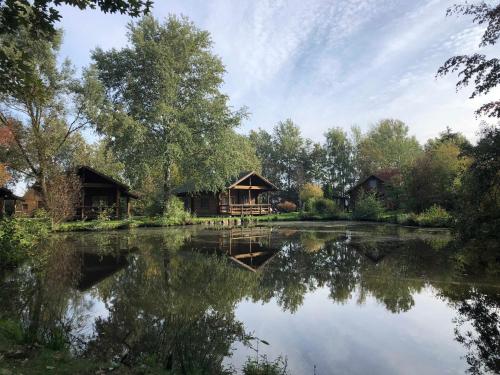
(245, 209)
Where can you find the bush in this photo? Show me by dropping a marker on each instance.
(310, 191)
(434, 216)
(321, 206)
(175, 212)
(368, 207)
(18, 237)
(287, 206)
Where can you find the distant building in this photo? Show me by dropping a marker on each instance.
(376, 183)
(99, 192)
(248, 194)
(8, 202)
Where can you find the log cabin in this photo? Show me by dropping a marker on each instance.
(377, 183)
(98, 192)
(247, 194)
(8, 202)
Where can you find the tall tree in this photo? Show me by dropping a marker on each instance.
(161, 106)
(339, 166)
(36, 20)
(38, 116)
(479, 209)
(386, 145)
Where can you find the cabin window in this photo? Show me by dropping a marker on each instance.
(39, 204)
(372, 183)
(25, 206)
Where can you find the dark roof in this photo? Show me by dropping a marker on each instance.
(189, 186)
(7, 194)
(384, 175)
(108, 178)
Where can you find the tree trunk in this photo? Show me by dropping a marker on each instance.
(167, 186)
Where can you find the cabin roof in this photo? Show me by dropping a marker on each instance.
(126, 188)
(383, 175)
(7, 194)
(189, 186)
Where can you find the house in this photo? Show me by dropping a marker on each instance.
(377, 183)
(99, 192)
(248, 194)
(8, 202)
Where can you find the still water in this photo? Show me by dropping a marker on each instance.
(331, 298)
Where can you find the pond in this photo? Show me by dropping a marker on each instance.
(327, 297)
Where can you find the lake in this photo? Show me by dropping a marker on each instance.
(329, 298)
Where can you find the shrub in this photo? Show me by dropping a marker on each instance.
(310, 191)
(18, 237)
(287, 206)
(321, 206)
(175, 212)
(434, 216)
(368, 207)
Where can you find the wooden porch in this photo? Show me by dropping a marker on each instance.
(245, 209)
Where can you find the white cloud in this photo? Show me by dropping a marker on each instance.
(322, 63)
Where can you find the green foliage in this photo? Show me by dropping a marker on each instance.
(368, 207)
(478, 214)
(159, 105)
(434, 216)
(264, 366)
(338, 164)
(386, 145)
(175, 212)
(19, 237)
(105, 213)
(310, 191)
(321, 206)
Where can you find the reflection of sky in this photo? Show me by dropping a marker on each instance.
(355, 339)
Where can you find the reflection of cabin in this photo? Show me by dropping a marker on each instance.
(97, 267)
(99, 192)
(8, 202)
(246, 195)
(251, 248)
(377, 184)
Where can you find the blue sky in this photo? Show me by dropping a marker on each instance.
(320, 63)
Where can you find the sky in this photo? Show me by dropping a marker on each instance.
(320, 63)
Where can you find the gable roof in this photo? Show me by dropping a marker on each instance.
(126, 188)
(7, 194)
(189, 186)
(384, 175)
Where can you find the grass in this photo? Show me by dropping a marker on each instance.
(394, 217)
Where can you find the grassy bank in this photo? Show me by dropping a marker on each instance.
(145, 222)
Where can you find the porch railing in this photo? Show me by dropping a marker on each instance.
(245, 209)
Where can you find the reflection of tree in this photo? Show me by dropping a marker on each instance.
(173, 308)
(477, 325)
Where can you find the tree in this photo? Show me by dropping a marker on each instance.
(36, 20)
(479, 194)
(161, 106)
(100, 157)
(309, 191)
(477, 68)
(386, 146)
(434, 178)
(339, 166)
(35, 114)
(62, 197)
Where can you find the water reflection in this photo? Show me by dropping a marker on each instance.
(167, 299)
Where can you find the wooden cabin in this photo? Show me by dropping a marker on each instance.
(376, 183)
(248, 194)
(99, 192)
(8, 202)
